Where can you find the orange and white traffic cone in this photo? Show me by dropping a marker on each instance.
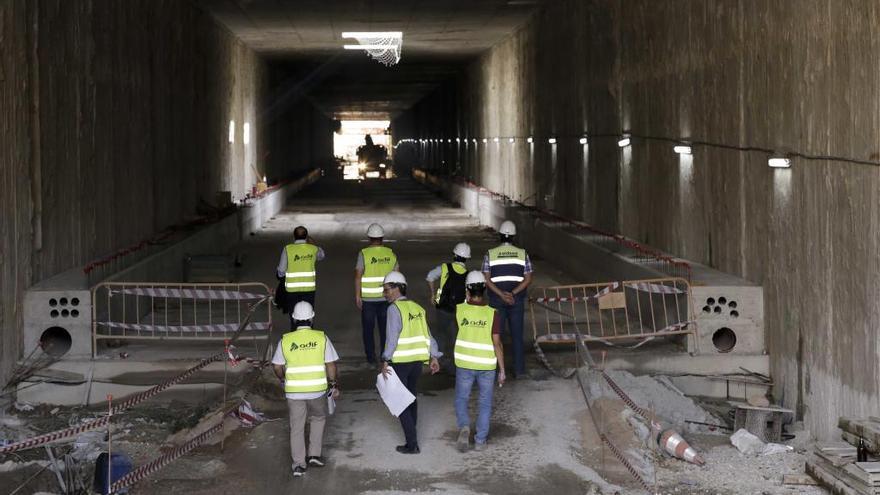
(676, 446)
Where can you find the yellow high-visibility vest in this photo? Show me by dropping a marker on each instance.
(378, 262)
(305, 370)
(414, 343)
(474, 349)
(301, 275)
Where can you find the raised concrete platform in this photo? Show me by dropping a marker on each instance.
(729, 311)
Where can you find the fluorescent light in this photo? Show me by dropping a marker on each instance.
(372, 34)
(457, 140)
(475, 140)
(367, 47)
(485, 140)
(496, 140)
(449, 140)
(247, 133)
(530, 140)
(779, 162)
(682, 149)
(381, 165)
(583, 140)
(511, 140)
(552, 140)
(623, 143)
(231, 131)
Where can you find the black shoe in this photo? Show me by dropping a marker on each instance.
(371, 361)
(315, 460)
(403, 449)
(299, 471)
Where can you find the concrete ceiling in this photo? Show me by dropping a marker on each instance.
(439, 38)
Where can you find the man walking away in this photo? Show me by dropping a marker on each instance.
(373, 263)
(305, 361)
(296, 269)
(508, 271)
(478, 351)
(409, 345)
(449, 294)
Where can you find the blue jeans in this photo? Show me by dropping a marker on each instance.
(464, 382)
(372, 312)
(513, 316)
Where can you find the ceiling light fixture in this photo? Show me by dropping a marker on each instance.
(779, 162)
(530, 140)
(623, 143)
(682, 149)
(552, 140)
(583, 140)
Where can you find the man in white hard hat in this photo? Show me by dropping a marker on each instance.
(373, 263)
(305, 361)
(408, 347)
(508, 272)
(478, 352)
(296, 269)
(447, 295)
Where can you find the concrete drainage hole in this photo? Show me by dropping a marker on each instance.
(55, 341)
(724, 339)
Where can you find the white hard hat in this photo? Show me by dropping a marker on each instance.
(507, 228)
(475, 277)
(394, 278)
(375, 231)
(462, 249)
(303, 311)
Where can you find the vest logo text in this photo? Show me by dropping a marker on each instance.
(307, 346)
(374, 260)
(417, 316)
(297, 257)
(474, 323)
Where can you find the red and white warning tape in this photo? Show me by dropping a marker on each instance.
(102, 421)
(204, 294)
(597, 295)
(163, 460)
(218, 328)
(655, 288)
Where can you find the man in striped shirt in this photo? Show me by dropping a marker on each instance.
(508, 272)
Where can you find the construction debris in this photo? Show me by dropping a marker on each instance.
(834, 465)
(750, 444)
(865, 428)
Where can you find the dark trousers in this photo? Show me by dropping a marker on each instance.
(409, 374)
(512, 316)
(445, 332)
(371, 312)
(291, 298)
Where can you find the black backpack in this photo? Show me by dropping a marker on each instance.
(453, 291)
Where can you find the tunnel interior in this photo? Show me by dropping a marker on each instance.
(738, 139)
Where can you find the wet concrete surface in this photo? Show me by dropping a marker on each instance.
(536, 443)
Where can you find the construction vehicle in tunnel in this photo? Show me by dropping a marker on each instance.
(373, 161)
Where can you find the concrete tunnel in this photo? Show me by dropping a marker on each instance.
(696, 184)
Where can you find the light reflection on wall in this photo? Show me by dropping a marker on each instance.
(781, 187)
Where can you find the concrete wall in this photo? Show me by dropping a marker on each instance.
(789, 74)
(116, 120)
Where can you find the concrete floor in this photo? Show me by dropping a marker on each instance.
(536, 441)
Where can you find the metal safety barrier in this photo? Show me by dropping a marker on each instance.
(635, 310)
(169, 311)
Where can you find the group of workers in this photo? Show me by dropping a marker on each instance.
(471, 310)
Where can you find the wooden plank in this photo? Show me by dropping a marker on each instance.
(798, 479)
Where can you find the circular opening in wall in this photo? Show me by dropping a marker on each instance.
(74, 301)
(707, 309)
(63, 301)
(722, 300)
(53, 313)
(710, 301)
(717, 309)
(74, 313)
(65, 313)
(734, 314)
(53, 302)
(55, 341)
(732, 304)
(724, 339)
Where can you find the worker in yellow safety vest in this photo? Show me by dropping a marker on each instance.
(447, 295)
(478, 353)
(373, 263)
(408, 347)
(305, 361)
(296, 271)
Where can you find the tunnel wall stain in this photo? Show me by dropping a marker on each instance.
(115, 126)
(791, 74)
